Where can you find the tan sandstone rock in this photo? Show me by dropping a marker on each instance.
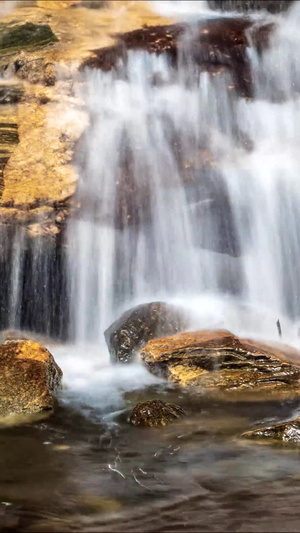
(29, 376)
(218, 360)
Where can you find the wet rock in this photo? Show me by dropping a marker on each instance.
(155, 413)
(273, 6)
(34, 69)
(29, 377)
(287, 432)
(93, 4)
(210, 213)
(218, 360)
(10, 94)
(217, 42)
(15, 37)
(127, 335)
(9, 139)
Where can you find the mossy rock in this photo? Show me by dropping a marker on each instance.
(155, 413)
(16, 37)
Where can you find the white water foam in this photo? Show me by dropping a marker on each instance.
(184, 10)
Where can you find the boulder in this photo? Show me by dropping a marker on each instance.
(155, 413)
(218, 360)
(29, 376)
(127, 335)
(287, 432)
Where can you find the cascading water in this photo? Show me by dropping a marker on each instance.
(155, 215)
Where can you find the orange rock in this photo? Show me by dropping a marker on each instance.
(220, 360)
(29, 376)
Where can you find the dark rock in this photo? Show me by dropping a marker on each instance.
(273, 6)
(29, 376)
(34, 70)
(155, 413)
(219, 360)
(49, 74)
(16, 37)
(42, 304)
(287, 432)
(92, 4)
(210, 213)
(10, 94)
(127, 335)
(214, 42)
(9, 138)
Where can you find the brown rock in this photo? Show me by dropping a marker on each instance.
(220, 360)
(287, 432)
(215, 42)
(127, 335)
(155, 413)
(29, 376)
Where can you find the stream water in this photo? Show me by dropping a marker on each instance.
(156, 223)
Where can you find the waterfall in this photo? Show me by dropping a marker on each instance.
(187, 190)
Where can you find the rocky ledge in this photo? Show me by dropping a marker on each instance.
(41, 46)
(220, 361)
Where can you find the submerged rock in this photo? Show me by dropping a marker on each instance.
(287, 432)
(220, 360)
(29, 376)
(127, 335)
(155, 413)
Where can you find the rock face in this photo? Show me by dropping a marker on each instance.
(29, 376)
(287, 432)
(221, 42)
(220, 360)
(127, 335)
(155, 413)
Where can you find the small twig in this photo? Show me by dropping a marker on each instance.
(279, 328)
